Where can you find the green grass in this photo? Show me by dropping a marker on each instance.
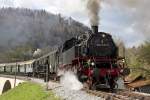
(28, 91)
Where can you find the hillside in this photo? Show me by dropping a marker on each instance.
(22, 31)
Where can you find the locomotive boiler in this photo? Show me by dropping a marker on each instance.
(93, 57)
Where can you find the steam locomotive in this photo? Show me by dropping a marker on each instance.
(92, 57)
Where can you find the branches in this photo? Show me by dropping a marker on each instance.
(145, 53)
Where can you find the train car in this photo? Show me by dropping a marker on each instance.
(21, 68)
(46, 66)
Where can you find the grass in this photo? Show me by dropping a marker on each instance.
(28, 91)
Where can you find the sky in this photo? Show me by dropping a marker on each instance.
(126, 20)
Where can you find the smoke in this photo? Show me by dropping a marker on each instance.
(93, 7)
(70, 81)
(37, 52)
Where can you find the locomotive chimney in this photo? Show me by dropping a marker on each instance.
(95, 29)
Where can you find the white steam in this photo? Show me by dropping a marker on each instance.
(70, 81)
(60, 72)
(37, 52)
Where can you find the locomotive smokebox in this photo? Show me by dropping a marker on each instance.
(95, 29)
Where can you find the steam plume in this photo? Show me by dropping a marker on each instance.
(93, 7)
(70, 81)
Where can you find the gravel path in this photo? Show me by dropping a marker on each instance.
(65, 93)
(68, 94)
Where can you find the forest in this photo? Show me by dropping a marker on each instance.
(23, 31)
(138, 59)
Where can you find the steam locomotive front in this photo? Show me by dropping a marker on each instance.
(102, 54)
(100, 44)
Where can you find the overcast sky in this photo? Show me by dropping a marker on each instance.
(128, 20)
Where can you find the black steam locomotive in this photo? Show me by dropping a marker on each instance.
(93, 57)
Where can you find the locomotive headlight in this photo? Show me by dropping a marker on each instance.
(92, 63)
(103, 35)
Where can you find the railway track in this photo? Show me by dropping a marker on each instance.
(118, 95)
(135, 95)
(107, 96)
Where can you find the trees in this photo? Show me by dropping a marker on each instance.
(144, 54)
(25, 30)
(138, 59)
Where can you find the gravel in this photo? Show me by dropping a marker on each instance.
(68, 94)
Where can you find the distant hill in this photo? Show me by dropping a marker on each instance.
(24, 30)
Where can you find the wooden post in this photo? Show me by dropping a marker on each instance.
(33, 69)
(47, 73)
(4, 68)
(46, 67)
(18, 68)
(15, 75)
(11, 69)
(25, 68)
(47, 76)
